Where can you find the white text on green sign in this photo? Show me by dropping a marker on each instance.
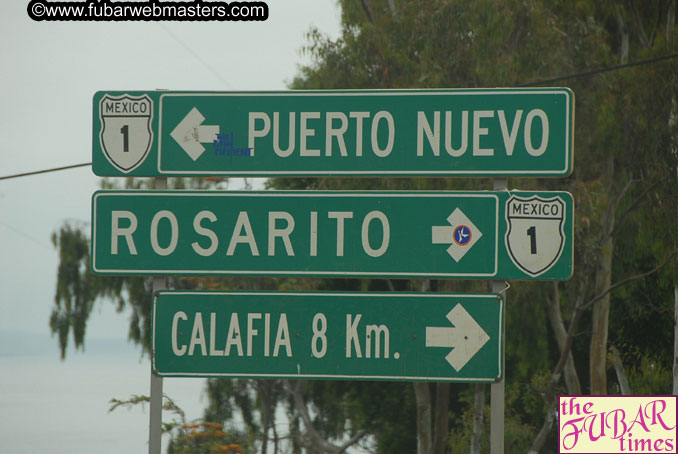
(484, 235)
(494, 132)
(360, 336)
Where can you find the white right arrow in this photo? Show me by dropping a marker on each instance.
(466, 337)
(445, 234)
(190, 132)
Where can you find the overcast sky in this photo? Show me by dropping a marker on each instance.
(49, 72)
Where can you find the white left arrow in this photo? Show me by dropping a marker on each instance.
(466, 337)
(190, 133)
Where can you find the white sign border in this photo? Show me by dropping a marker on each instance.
(500, 319)
(136, 193)
(566, 170)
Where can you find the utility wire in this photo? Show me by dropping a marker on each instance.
(195, 55)
(532, 83)
(25, 235)
(599, 70)
(55, 169)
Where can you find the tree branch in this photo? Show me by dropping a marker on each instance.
(368, 10)
(618, 200)
(634, 204)
(642, 36)
(623, 36)
(355, 439)
(555, 377)
(629, 279)
(558, 327)
(619, 369)
(313, 439)
(392, 7)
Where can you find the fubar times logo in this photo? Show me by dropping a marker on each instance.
(617, 424)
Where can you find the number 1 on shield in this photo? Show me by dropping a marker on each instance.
(532, 233)
(125, 138)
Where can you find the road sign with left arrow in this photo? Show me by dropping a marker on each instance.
(352, 336)
(460, 132)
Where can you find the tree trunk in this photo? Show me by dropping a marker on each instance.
(544, 432)
(392, 7)
(311, 438)
(603, 280)
(621, 374)
(623, 37)
(570, 372)
(670, 19)
(550, 394)
(422, 395)
(441, 417)
(675, 339)
(601, 312)
(276, 440)
(264, 389)
(674, 119)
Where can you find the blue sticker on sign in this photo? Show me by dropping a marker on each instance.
(462, 235)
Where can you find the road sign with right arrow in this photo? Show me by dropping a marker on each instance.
(356, 336)
(467, 235)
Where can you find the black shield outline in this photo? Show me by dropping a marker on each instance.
(561, 230)
(103, 128)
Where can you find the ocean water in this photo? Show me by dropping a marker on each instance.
(62, 407)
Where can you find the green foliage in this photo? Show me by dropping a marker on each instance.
(525, 409)
(624, 184)
(78, 288)
(227, 397)
(504, 43)
(381, 408)
(208, 438)
(203, 437)
(650, 377)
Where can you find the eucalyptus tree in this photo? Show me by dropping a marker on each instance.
(558, 334)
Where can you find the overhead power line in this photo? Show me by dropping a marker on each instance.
(25, 235)
(195, 55)
(599, 70)
(36, 172)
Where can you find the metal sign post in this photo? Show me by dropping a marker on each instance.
(497, 389)
(155, 411)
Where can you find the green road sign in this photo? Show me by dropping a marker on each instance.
(463, 235)
(357, 336)
(491, 132)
